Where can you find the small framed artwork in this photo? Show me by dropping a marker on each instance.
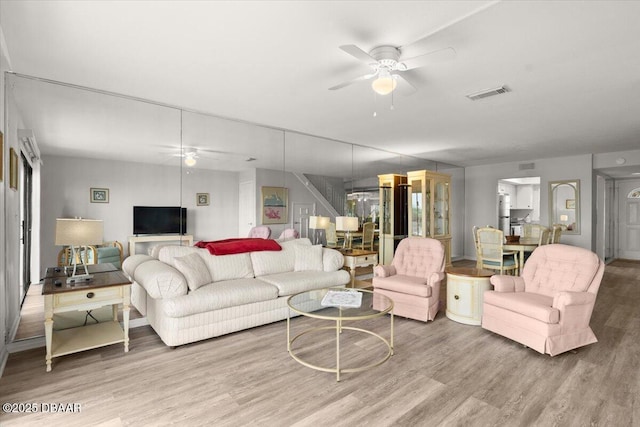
(99, 195)
(202, 199)
(275, 205)
(13, 169)
(1, 157)
(570, 204)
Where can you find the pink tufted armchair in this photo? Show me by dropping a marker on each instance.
(260, 232)
(412, 280)
(549, 306)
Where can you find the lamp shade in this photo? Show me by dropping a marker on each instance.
(319, 222)
(347, 223)
(78, 232)
(564, 217)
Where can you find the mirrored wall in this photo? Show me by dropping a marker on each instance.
(144, 153)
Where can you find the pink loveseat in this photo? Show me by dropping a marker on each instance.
(549, 306)
(412, 280)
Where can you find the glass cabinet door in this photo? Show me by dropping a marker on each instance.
(417, 208)
(441, 208)
(427, 203)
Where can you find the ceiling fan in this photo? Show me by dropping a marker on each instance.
(387, 66)
(191, 154)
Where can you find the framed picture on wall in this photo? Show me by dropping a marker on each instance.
(275, 205)
(99, 195)
(202, 199)
(13, 169)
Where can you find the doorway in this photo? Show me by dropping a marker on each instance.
(26, 220)
(301, 214)
(629, 219)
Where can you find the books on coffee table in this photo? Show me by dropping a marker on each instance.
(346, 298)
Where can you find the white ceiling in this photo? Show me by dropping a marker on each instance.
(573, 69)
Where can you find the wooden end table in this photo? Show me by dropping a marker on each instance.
(108, 287)
(358, 258)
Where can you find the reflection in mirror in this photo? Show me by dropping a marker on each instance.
(564, 205)
(87, 139)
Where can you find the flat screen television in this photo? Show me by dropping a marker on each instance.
(159, 220)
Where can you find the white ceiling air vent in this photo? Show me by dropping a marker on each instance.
(488, 92)
(526, 166)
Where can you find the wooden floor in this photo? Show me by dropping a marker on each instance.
(443, 373)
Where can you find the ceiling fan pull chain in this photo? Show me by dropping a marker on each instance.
(392, 107)
(375, 104)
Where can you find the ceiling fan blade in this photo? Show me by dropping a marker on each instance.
(358, 53)
(405, 87)
(431, 57)
(350, 82)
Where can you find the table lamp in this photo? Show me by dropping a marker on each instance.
(78, 232)
(317, 223)
(564, 218)
(347, 224)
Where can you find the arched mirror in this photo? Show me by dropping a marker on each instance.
(564, 205)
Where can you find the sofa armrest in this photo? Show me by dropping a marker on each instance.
(384, 270)
(332, 260)
(131, 263)
(160, 280)
(504, 283)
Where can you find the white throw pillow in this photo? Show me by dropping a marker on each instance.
(308, 258)
(194, 270)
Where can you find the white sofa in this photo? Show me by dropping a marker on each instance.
(188, 295)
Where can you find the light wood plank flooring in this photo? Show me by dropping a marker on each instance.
(443, 373)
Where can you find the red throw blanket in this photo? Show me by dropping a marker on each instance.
(239, 245)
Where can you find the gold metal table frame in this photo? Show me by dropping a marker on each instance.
(339, 315)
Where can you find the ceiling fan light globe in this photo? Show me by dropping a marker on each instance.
(384, 85)
(190, 161)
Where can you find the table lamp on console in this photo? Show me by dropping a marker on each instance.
(347, 224)
(317, 223)
(78, 233)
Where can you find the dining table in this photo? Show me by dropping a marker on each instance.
(523, 245)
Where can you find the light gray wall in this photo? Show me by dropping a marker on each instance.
(65, 193)
(481, 185)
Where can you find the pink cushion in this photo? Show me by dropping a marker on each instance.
(403, 284)
(536, 306)
(557, 267)
(419, 257)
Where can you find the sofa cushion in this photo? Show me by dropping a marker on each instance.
(332, 259)
(308, 258)
(265, 263)
(300, 281)
(535, 306)
(219, 295)
(194, 270)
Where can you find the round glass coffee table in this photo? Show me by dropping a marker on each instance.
(338, 305)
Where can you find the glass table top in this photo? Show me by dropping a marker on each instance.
(310, 303)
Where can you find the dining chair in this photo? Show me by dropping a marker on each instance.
(491, 253)
(331, 235)
(534, 231)
(556, 232)
(367, 236)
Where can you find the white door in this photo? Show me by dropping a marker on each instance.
(629, 219)
(301, 214)
(246, 207)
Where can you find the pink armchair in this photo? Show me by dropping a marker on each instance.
(412, 280)
(260, 232)
(548, 307)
